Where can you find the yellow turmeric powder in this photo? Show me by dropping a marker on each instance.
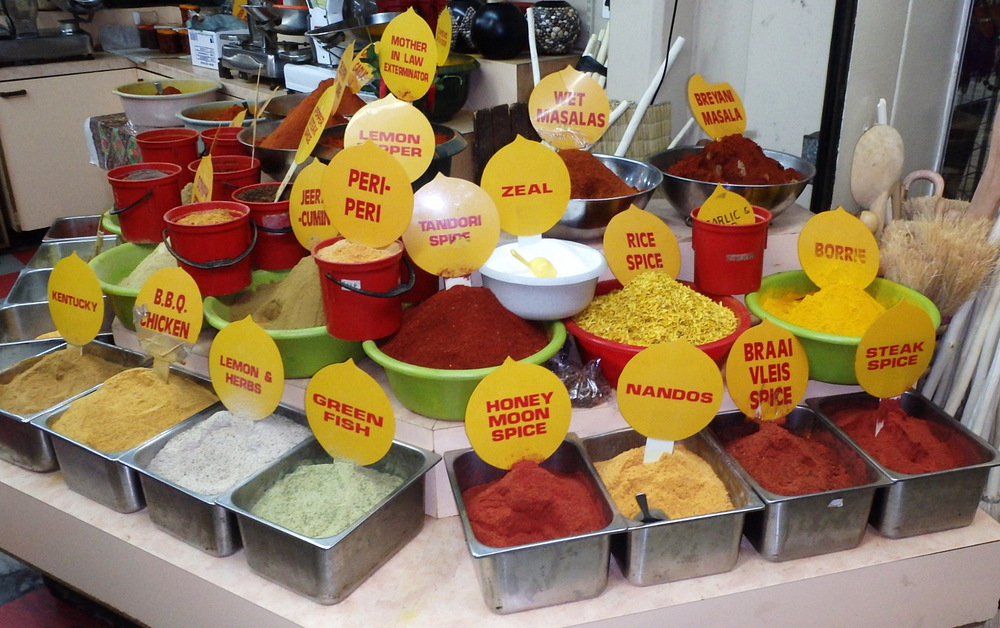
(681, 484)
(839, 308)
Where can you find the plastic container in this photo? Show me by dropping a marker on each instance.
(113, 266)
(217, 256)
(172, 145)
(221, 140)
(277, 247)
(729, 259)
(229, 173)
(146, 109)
(140, 203)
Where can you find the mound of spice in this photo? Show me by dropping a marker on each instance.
(347, 252)
(463, 328)
(321, 500)
(653, 307)
(262, 194)
(787, 463)
(222, 114)
(159, 259)
(130, 408)
(53, 378)
(904, 443)
(295, 302)
(531, 504)
(214, 455)
(288, 134)
(681, 484)
(839, 308)
(206, 217)
(734, 159)
(590, 178)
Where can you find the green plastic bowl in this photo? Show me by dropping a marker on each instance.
(444, 393)
(113, 266)
(831, 357)
(303, 351)
(110, 224)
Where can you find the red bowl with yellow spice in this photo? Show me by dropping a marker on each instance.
(615, 355)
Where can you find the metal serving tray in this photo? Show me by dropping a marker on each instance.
(798, 526)
(22, 442)
(73, 227)
(547, 573)
(677, 549)
(926, 502)
(99, 475)
(31, 286)
(23, 322)
(327, 570)
(192, 517)
(51, 251)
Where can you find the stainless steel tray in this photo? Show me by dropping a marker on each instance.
(73, 227)
(192, 517)
(547, 573)
(792, 527)
(99, 475)
(23, 322)
(51, 251)
(31, 286)
(327, 570)
(689, 547)
(22, 442)
(929, 502)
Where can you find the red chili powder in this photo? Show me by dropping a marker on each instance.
(905, 443)
(463, 328)
(788, 464)
(733, 159)
(590, 178)
(531, 504)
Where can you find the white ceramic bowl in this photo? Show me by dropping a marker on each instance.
(144, 108)
(544, 298)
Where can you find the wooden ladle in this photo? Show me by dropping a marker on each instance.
(876, 167)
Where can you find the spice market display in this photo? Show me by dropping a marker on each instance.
(541, 337)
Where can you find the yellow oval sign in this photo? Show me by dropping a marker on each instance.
(311, 223)
(529, 184)
(670, 391)
(723, 207)
(442, 35)
(636, 241)
(408, 56)
(246, 369)
(172, 304)
(836, 247)
(717, 107)
(76, 302)
(895, 351)
(203, 176)
(349, 413)
(520, 411)
(569, 109)
(399, 129)
(767, 371)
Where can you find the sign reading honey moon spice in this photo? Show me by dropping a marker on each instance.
(408, 56)
(76, 302)
(717, 107)
(310, 222)
(670, 391)
(246, 369)
(836, 247)
(397, 127)
(519, 411)
(454, 229)
(895, 351)
(767, 371)
(367, 195)
(636, 241)
(349, 413)
(529, 184)
(569, 109)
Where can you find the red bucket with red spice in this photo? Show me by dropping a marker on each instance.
(277, 247)
(143, 193)
(212, 241)
(362, 300)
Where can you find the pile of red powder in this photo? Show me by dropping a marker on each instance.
(589, 178)
(531, 504)
(733, 159)
(463, 328)
(786, 463)
(905, 443)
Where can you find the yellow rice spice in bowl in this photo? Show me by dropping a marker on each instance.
(130, 408)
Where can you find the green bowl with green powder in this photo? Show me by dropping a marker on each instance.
(112, 267)
(304, 350)
(444, 393)
(831, 357)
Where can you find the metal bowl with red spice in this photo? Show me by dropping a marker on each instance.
(447, 344)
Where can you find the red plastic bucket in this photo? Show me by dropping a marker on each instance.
(729, 259)
(277, 247)
(217, 256)
(141, 201)
(174, 145)
(221, 140)
(230, 173)
(362, 301)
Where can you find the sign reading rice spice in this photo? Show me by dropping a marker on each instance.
(637, 241)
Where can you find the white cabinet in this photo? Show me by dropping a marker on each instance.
(47, 167)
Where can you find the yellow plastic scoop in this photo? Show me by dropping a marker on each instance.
(539, 266)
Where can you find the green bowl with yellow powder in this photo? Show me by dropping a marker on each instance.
(831, 356)
(303, 351)
(112, 267)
